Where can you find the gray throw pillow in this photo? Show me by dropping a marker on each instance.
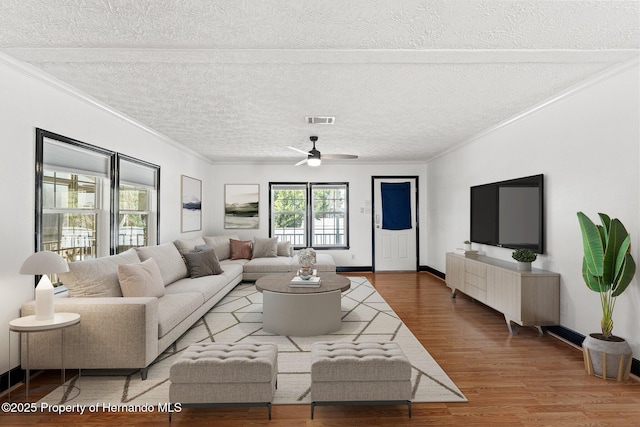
(203, 263)
(265, 248)
(284, 249)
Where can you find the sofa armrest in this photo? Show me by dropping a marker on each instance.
(114, 332)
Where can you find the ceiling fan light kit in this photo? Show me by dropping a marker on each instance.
(314, 158)
(314, 161)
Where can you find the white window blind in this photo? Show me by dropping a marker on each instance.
(137, 174)
(67, 158)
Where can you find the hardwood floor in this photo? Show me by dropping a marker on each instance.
(526, 379)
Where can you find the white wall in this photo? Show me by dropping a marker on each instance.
(358, 176)
(584, 131)
(587, 146)
(30, 99)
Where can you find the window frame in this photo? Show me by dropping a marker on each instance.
(115, 226)
(113, 185)
(309, 213)
(96, 211)
(39, 180)
(312, 233)
(272, 213)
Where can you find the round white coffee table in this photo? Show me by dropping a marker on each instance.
(301, 311)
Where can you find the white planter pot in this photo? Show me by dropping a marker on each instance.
(524, 266)
(611, 357)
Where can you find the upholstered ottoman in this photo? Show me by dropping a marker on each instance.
(224, 374)
(359, 373)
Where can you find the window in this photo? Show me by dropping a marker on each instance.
(289, 213)
(80, 210)
(70, 214)
(133, 218)
(137, 196)
(73, 208)
(329, 215)
(310, 214)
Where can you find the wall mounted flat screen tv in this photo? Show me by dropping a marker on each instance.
(509, 213)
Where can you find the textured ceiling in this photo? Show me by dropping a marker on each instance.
(406, 80)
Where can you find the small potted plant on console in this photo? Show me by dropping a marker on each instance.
(524, 257)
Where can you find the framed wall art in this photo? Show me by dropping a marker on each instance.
(191, 218)
(241, 205)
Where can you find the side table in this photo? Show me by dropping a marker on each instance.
(28, 324)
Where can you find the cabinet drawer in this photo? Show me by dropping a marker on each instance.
(477, 281)
(475, 293)
(476, 269)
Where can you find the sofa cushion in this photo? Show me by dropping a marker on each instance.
(240, 249)
(172, 266)
(229, 262)
(174, 308)
(284, 249)
(141, 280)
(202, 263)
(232, 268)
(221, 245)
(188, 245)
(268, 265)
(265, 248)
(208, 286)
(97, 277)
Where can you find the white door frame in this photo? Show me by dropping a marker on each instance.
(416, 179)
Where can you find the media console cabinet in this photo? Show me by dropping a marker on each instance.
(527, 298)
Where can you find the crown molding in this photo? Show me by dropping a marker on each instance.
(318, 56)
(33, 72)
(604, 75)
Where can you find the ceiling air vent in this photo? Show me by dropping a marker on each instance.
(320, 120)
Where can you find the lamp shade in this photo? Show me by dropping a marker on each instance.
(44, 262)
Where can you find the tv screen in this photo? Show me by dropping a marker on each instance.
(509, 213)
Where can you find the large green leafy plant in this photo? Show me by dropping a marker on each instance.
(607, 266)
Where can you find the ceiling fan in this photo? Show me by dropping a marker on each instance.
(314, 158)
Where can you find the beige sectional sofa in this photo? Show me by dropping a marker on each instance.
(125, 332)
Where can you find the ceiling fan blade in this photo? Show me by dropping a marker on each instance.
(301, 162)
(339, 156)
(299, 150)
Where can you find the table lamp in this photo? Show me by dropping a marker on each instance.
(43, 263)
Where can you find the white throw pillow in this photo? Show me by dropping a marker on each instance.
(141, 280)
(284, 249)
(170, 262)
(265, 248)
